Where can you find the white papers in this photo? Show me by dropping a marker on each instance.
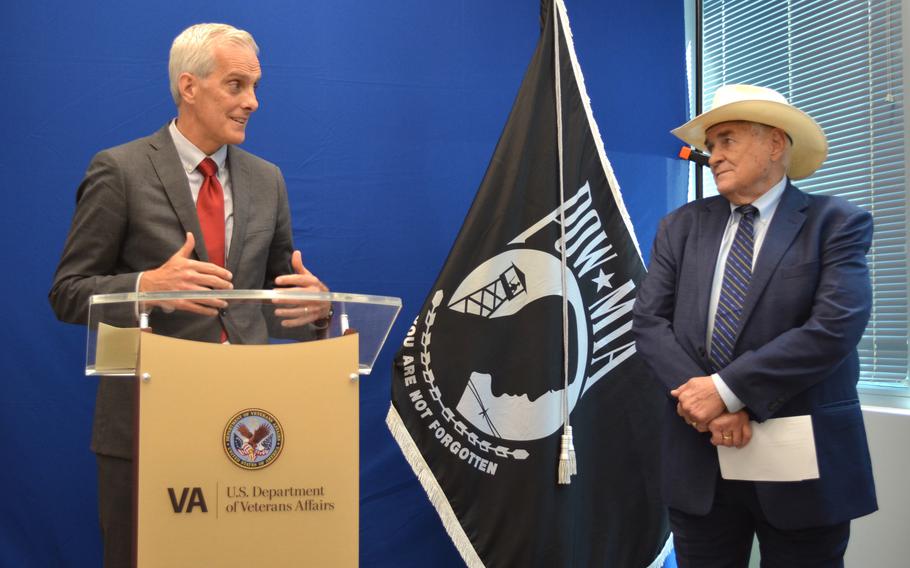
(117, 348)
(781, 449)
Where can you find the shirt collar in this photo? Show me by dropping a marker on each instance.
(767, 203)
(190, 155)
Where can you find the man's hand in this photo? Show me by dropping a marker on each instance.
(731, 429)
(180, 272)
(296, 313)
(699, 402)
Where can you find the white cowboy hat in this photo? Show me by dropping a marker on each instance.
(765, 106)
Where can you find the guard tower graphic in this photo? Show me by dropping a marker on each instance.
(487, 299)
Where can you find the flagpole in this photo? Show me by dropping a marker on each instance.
(567, 461)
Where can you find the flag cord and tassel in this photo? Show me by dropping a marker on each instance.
(567, 464)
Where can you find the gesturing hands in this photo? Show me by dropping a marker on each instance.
(180, 272)
(701, 406)
(295, 313)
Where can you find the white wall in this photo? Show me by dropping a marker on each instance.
(882, 540)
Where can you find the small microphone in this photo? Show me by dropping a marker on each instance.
(693, 155)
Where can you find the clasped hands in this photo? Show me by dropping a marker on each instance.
(180, 272)
(700, 405)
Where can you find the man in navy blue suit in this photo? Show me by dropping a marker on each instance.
(753, 306)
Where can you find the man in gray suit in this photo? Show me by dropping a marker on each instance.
(136, 228)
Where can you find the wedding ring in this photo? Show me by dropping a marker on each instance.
(728, 435)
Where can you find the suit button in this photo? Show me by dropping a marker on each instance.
(701, 351)
(223, 312)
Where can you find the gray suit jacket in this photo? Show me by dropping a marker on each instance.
(133, 210)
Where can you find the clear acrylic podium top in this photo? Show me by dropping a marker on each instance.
(245, 317)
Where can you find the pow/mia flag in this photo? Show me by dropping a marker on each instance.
(478, 391)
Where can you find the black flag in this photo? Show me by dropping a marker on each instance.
(478, 391)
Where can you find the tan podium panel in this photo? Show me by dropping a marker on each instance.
(247, 454)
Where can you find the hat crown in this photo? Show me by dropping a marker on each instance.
(751, 103)
(728, 94)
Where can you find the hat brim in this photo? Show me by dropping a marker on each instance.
(810, 147)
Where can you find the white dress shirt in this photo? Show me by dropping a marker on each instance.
(190, 158)
(766, 205)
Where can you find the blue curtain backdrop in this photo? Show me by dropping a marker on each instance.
(382, 116)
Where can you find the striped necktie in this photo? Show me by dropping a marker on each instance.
(737, 275)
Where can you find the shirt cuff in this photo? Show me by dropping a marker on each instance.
(730, 400)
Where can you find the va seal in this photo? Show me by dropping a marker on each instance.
(253, 439)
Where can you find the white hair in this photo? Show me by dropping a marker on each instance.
(193, 51)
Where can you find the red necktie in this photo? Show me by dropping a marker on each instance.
(210, 208)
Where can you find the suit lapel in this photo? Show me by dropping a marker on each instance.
(240, 191)
(712, 221)
(787, 221)
(169, 168)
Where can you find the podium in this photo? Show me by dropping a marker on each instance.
(245, 451)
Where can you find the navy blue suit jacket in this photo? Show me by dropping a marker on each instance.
(795, 354)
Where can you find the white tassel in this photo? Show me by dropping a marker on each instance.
(573, 465)
(567, 465)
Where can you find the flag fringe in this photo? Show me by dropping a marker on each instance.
(441, 503)
(665, 553)
(595, 131)
(435, 493)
